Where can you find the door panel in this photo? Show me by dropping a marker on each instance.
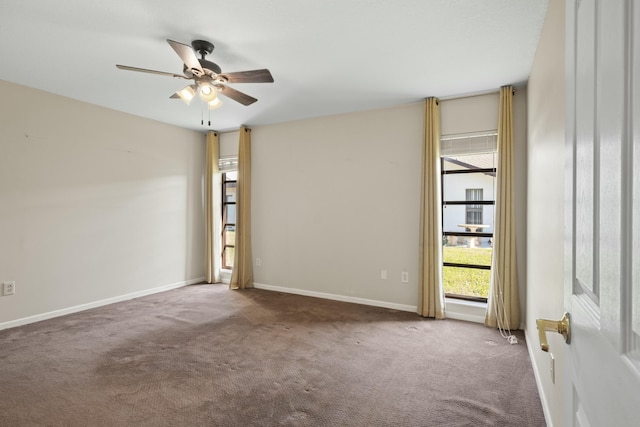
(610, 121)
(602, 292)
(635, 128)
(586, 150)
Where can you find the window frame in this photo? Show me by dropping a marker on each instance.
(225, 224)
(446, 203)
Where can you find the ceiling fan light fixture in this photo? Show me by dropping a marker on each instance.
(214, 104)
(187, 94)
(207, 92)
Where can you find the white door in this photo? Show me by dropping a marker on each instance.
(602, 278)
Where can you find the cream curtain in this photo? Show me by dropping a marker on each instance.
(503, 307)
(242, 275)
(212, 209)
(431, 302)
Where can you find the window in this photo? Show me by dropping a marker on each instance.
(229, 183)
(474, 212)
(468, 182)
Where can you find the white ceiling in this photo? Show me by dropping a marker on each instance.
(326, 56)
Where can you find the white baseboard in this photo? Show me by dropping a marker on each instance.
(87, 306)
(536, 374)
(335, 297)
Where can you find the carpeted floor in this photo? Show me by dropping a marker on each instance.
(203, 355)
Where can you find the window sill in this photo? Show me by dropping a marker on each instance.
(471, 311)
(467, 303)
(225, 276)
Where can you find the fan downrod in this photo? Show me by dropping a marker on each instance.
(203, 47)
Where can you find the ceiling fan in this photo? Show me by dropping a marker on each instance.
(208, 78)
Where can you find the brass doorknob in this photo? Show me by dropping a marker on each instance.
(562, 326)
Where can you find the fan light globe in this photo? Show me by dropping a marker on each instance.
(214, 104)
(208, 93)
(187, 94)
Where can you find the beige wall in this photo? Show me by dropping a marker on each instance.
(545, 213)
(95, 205)
(336, 200)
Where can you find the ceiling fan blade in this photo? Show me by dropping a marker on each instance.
(236, 95)
(188, 56)
(144, 70)
(252, 76)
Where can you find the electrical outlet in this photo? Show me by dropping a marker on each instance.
(8, 288)
(258, 262)
(405, 277)
(383, 274)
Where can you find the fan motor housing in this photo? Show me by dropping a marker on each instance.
(204, 48)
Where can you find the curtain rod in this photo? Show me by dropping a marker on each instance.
(474, 94)
(228, 131)
(469, 95)
(247, 128)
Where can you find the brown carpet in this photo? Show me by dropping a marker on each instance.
(206, 356)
